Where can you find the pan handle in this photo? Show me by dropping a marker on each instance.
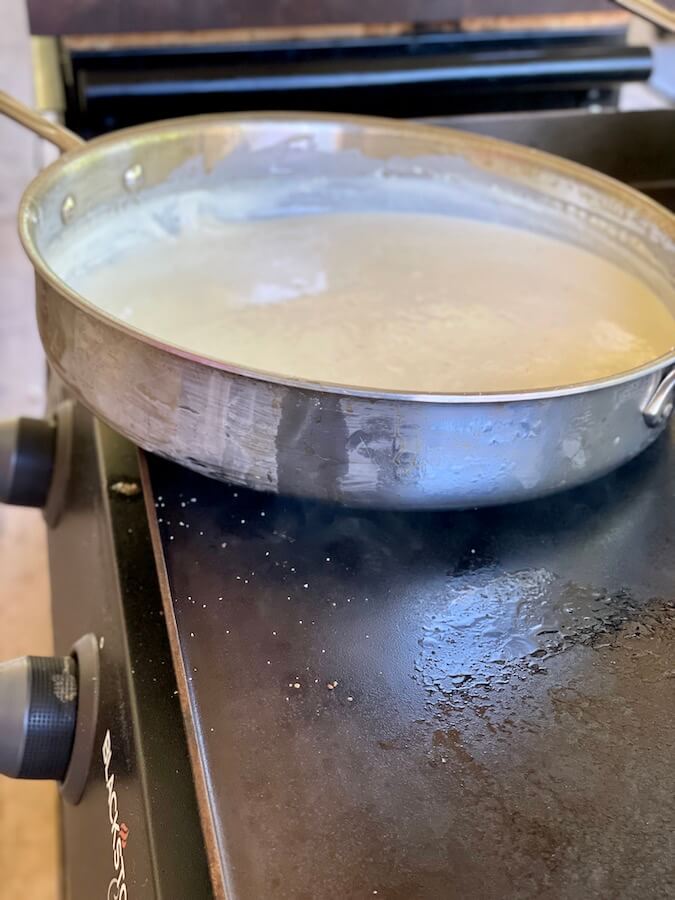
(652, 11)
(56, 134)
(660, 404)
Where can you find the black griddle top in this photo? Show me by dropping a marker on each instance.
(432, 705)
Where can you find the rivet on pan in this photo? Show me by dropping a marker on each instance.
(133, 177)
(33, 214)
(67, 209)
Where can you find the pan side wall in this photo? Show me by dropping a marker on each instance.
(358, 451)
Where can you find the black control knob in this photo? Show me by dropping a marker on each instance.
(27, 450)
(38, 716)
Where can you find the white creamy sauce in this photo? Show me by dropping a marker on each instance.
(386, 300)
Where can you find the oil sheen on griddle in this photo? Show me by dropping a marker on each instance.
(387, 300)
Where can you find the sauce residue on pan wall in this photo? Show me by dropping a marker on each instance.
(386, 300)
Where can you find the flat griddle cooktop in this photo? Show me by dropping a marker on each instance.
(430, 705)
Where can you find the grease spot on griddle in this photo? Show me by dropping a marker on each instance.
(488, 627)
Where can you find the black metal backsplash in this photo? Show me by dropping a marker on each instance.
(414, 75)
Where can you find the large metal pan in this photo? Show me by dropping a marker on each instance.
(333, 442)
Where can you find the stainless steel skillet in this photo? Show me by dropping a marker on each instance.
(336, 442)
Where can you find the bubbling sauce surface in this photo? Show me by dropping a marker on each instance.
(387, 300)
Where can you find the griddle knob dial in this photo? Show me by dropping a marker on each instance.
(27, 449)
(38, 716)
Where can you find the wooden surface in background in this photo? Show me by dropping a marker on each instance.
(104, 16)
(613, 18)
